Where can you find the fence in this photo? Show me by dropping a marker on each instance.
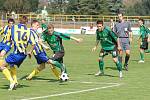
(76, 21)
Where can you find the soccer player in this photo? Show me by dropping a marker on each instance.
(43, 24)
(144, 39)
(5, 44)
(54, 39)
(20, 36)
(112, 23)
(39, 52)
(109, 44)
(123, 29)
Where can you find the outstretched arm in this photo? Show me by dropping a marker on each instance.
(78, 40)
(96, 44)
(43, 45)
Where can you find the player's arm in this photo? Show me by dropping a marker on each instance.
(68, 37)
(78, 40)
(96, 44)
(131, 36)
(40, 41)
(32, 43)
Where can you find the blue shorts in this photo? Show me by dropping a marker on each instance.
(41, 58)
(125, 46)
(5, 47)
(15, 59)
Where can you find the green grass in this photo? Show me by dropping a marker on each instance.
(82, 64)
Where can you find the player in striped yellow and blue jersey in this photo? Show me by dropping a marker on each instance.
(20, 36)
(5, 44)
(40, 54)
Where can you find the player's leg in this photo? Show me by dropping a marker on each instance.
(143, 46)
(55, 71)
(120, 52)
(7, 74)
(101, 64)
(13, 71)
(146, 50)
(117, 62)
(57, 60)
(36, 71)
(127, 57)
(14, 59)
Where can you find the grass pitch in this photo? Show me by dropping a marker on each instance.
(82, 64)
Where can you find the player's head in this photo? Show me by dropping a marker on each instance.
(11, 22)
(100, 25)
(50, 29)
(141, 21)
(120, 16)
(43, 20)
(35, 24)
(111, 20)
(23, 20)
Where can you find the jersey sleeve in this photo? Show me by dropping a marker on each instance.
(147, 30)
(129, 27)
(43, 37)
(115, 28)
(64, 36)
(31, 39)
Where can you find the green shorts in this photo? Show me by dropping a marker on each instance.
(114, 52)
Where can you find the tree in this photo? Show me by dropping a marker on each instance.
(140, 8)
(21, 6)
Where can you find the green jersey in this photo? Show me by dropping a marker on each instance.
(55, 40)
(44, 27)
(144, 32)
(107, 38)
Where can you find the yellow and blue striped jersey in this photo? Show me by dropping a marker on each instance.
(20, 36)
(6, 32)
(38, 47)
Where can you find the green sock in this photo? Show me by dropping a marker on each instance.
(142, 56)
(119, 66)
(64, 68)
(57, 64)
(101, 66)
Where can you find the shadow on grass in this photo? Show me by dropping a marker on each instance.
(112, 68)
(18, 86)
(134, 60)
(102, 75)
(40, 79)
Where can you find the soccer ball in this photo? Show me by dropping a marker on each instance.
(64, 77)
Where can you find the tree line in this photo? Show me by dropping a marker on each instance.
(78, 7)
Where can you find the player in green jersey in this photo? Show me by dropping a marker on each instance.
(144, 39)
(54, 39)
(109, 44)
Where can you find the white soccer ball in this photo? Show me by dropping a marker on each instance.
(64, 77)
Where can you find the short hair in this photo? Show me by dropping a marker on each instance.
(141, 19)
(34, 21)
(120, 13)
(99, 22)
(23, 20)
(43, 19)
(50, 26)
(11, 20)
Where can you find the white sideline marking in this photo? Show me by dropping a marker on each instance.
(74, 92)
